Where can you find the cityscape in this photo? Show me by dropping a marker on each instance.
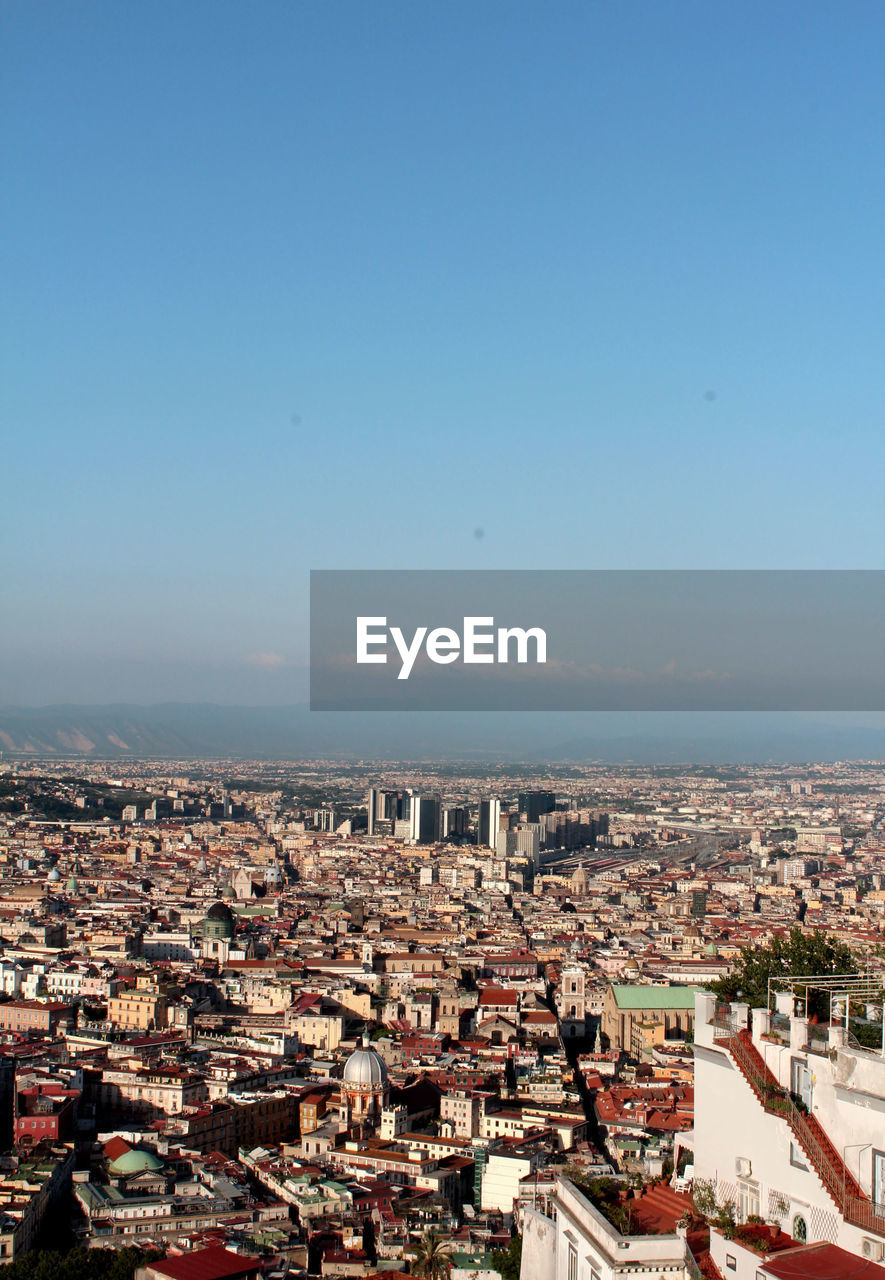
(442, 697)
(318, 1018)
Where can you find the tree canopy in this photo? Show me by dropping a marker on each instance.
(508, 1261)
(816, 953)
(433, 1259)
(77, 1264)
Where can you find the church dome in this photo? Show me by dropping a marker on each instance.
(365, 1067)
(219, 922)
(54, 876)
(135, 1161)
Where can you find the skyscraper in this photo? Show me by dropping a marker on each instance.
(488, 822)
(534, 803)
(425, 819)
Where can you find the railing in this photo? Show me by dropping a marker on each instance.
(864, 1214)
(692, 1267)
(724, 1018)
(831, 1170)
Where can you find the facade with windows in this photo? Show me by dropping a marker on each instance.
(572, 1003)
(572, 1240)
(790, 1125)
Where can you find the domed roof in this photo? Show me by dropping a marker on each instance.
(54, 876)
(135, 1161)
(365, 1066)
(220, 911)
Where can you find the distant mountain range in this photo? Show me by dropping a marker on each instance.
(177, 730)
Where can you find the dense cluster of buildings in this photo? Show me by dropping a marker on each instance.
(302, 1016)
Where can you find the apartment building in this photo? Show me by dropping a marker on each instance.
(790, 1125)
(29, 1189)
(138, 1010)
(42, 1016)
(572, 1240)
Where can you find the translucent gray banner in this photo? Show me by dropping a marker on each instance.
(597, 640)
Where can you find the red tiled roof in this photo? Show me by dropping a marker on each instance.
(116, 1147)
(206, 1264)
(498, 996)
(822, 1262)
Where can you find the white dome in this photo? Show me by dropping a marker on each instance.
(364, 1066)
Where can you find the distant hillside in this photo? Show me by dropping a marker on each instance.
(192, 730)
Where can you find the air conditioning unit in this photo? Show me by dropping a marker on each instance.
(742, 1167)
(872, 1250)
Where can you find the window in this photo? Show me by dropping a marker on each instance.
(731, 1262)
(878, 1178)
(572, 1263)
(800, 1230)
(748, 1199)
(797, 1157)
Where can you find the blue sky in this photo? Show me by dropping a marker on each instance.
(293, 285)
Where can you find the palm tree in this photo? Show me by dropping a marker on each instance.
(432, 1260)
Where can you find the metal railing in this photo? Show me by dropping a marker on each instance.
(691, 1266)
(831, 1170)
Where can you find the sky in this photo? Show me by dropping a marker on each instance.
(292, 285)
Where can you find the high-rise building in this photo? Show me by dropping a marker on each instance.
(425, 819)
(505, 844)
(534, 803)
(488, 822)
(454, 822)
(528, 840)
(372, 804)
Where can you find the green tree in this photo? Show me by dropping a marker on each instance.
(433, 1258)
(794, 953)
(79, 1263)
(508, 1261)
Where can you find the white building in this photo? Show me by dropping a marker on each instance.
(503, 1172)
(575, 1242)
(816, 1169)
(170, 945)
